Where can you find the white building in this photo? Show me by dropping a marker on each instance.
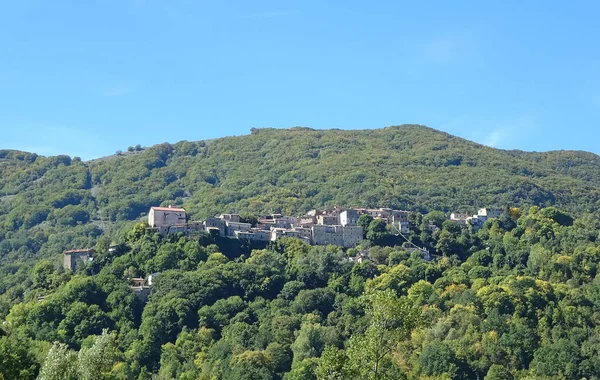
(490, 213)
(166, 216)
(152, 278)
(459, 217)
(349, 217)
(404, 227)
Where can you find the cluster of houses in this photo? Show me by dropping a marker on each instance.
(335, 226)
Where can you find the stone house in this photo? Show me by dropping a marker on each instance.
(399, 216)
(346, 237)
(327, 220)
(166, 216)
(352, 235)
(232, 227)
(459, 218)
(76, 256)
(404, 227)
(215, 224)
(230, 217)
(254, 234)
(297, 232)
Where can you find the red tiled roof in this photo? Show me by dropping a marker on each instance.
(167, 209)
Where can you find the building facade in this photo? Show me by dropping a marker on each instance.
(232, 227)
(166, 216)
(75, 257)
(349, 217)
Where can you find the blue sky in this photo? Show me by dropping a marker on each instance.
(87, 78)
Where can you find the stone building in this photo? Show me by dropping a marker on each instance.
(230, 217)
(232, 227)
(328, 220)
(344, 236)
(254, 234)
(215, 224)
(349, 217)
(166, 216)
(76, 256)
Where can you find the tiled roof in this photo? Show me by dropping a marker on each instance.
(167, 208)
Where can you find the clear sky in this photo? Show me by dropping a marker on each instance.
(87, 77)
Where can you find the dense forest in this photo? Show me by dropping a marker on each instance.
(518, 299)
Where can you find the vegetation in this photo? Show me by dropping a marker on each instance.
(518, 299)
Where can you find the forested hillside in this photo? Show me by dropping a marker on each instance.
(48, 204)
(518, 299)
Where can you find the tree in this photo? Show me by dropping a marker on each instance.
(43, 274)
(364, 221)
(436, 218)
(16, 359)
(391, 320)
(333, 365)
(96, 362)
(454, 228)
(438, 358)
(446, 244)
(377, 232)
(252, 365)
(311, 341)
(561, 359)
(60, 364)
(498, 372)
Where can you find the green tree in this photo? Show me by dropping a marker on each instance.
(391, 320)
(60, 364)
(377, 232)
(364, 221)
(333, 365)
(97, 361)
(16, 359)
(498, 372)
(311, 341)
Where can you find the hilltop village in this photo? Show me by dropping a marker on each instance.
(331, 226)
(336, 226)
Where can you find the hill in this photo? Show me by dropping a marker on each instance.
(48, 204)
(270, 170)
(516, 299)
